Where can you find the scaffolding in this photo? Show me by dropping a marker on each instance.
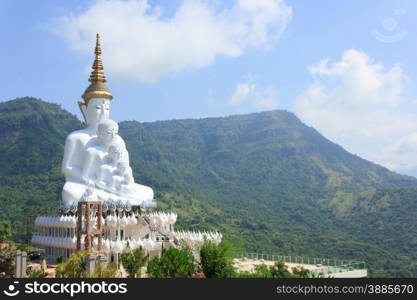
(89, 208)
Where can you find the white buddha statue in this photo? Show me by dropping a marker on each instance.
(89, 194)
(108, 166)
(97, 149)
(86, 152)
(75, 150)
(122, 179)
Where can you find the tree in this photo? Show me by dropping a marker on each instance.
(216, 260)
(36, 273)
(261, 271)
(173, 263)
(280, 270)
(74, 267)
(302, 273)
(5, 232)
(104, 271)
(7, 250)
(7, 258)
(133, 261)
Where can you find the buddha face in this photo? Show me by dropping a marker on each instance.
(115, 153)
(89, 191)
(106, 132)
(122, 167)
(97, 110)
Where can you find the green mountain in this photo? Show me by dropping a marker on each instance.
(267, 181)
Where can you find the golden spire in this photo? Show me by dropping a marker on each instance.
(97, 88)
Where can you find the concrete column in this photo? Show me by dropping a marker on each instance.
(91, 260)
(103, 259)
(18, 264)
(23, 264)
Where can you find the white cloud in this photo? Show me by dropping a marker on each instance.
(251, 94)
(360, 104)
(242, 92)
(267, 99)
(140, 44)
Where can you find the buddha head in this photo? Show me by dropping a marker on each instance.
(89, 191)
(97, 97)
(115, 153)
(95, 111)
(124, 170)
(122, 167)
(107, 130)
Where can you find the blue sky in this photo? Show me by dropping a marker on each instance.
(229, 58)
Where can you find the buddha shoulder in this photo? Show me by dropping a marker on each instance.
(81, 135)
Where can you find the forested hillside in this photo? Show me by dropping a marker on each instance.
(267, 181)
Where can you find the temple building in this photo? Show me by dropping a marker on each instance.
(103, 210)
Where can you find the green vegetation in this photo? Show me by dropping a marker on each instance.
(104, 271)
(278, 270)
(134, 261)
(34, 273)
(173, 263)
(5, 232)
(269, 183)
(74, 267)
(217, 260)
(7, 260)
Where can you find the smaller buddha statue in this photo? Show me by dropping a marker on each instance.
(89, 194)
(109, 165)
(122, 179)
(97, 149)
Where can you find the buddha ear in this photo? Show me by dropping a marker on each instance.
(83, 109)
